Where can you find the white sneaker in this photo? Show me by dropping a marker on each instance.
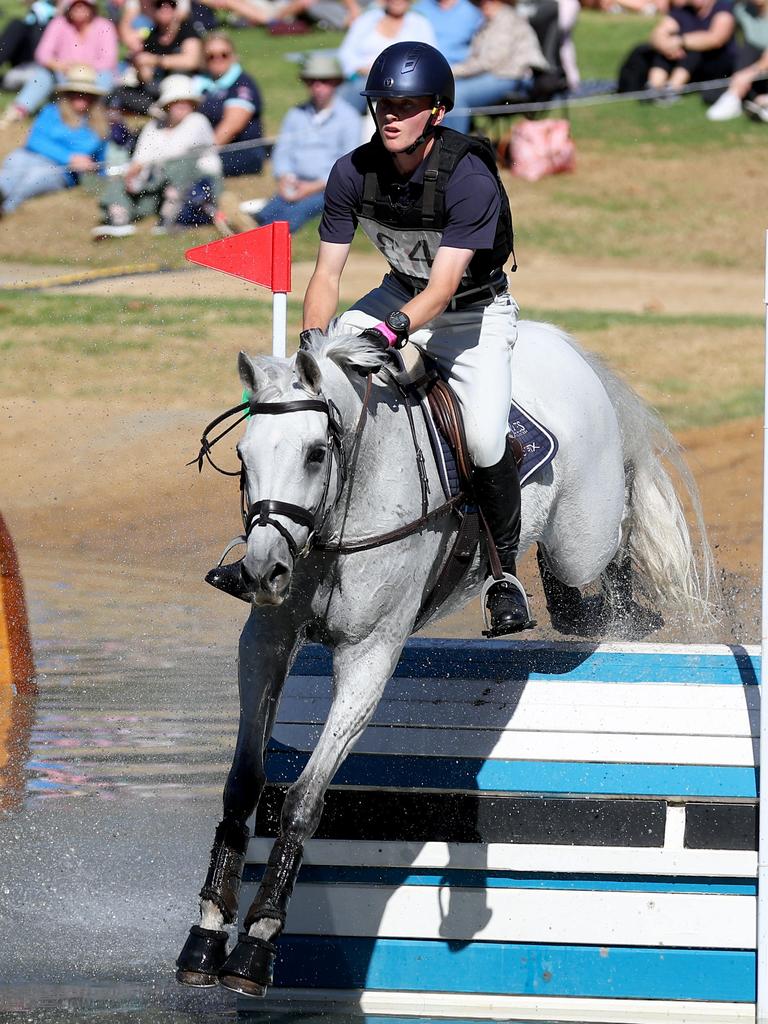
(253, 206)
(726, 108)
(113, 230)
(757, 110)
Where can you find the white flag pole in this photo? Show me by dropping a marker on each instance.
(279, 323)
(762, 845)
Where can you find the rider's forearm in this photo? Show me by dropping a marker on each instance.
(320, 301)
(426, 306)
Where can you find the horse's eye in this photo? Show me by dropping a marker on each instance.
(316, 455)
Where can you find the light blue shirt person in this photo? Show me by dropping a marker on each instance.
(454, 22)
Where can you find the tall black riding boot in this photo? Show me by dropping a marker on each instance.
(497, 489)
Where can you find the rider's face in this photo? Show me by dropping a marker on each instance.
(402, 119)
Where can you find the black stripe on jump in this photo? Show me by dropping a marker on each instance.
(357, 814)
(719, 826)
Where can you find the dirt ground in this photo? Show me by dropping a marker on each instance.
(108, 486)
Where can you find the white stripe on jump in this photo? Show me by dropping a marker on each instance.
(506, 1008)
(599, 860)
(560, 916)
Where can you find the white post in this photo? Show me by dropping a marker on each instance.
(279, 323)
(762, 845)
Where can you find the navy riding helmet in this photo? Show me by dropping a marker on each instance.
(411, 69)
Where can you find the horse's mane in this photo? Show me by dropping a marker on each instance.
(344, 348)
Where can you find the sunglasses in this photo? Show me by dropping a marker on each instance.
(218, 54)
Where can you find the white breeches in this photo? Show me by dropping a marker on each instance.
(473, 350)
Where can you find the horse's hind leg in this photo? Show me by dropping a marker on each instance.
(360, 675)
(260, 685)
(569, 610)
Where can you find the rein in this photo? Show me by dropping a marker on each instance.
(261, 513)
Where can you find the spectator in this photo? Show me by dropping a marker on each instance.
(371, 33)
(66, 140)
(18, 42)
(454, 22)
(77, 35)
(312, 138)
(173, 46)
(692, 43)
(567, 15)
(501, 61)
(336, 14)
(232, 103)
(175, 170)
(751, 62)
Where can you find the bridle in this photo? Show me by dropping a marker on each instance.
(262, 513)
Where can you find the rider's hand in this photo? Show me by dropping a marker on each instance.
(390, 333)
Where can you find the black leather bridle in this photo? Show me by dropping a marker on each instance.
(262, 513)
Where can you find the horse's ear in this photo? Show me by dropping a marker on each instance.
(308, 372)
(252, 376)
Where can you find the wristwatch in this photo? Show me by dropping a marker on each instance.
(400, 324)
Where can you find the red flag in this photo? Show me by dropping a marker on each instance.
(262, 256)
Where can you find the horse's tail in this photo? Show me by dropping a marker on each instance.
(670, 566)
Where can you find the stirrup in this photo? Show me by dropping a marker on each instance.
(493, 631)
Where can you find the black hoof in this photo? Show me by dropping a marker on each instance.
(201, 958)
(248, 968)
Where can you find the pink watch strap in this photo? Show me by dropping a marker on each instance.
(388, 333)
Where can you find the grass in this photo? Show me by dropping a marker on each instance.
(178, 354)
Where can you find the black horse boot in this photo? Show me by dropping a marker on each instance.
(497, 489)
(228, 579)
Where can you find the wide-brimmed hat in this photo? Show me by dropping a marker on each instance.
(178, 87)
(323, 66)
(81, 78)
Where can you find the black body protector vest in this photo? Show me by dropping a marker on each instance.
(405, 222)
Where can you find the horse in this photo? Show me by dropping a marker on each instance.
(346, 535)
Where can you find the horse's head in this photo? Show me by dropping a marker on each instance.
(293, 468)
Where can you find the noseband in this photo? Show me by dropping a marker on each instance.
(261, 513)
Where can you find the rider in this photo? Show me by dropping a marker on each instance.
(430, 199)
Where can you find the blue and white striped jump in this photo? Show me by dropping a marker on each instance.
(529, 831)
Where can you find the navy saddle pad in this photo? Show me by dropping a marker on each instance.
(539, 447)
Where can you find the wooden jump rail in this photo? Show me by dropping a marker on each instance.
(529, 831)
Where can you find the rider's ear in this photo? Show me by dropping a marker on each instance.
(308, 372)
(252, 376)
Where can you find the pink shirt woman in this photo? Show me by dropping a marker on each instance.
(78, 35)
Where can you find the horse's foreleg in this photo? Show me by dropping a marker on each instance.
(360, 675)
(262, 669)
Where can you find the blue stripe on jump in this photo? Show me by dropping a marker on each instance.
(474, 879)
(563, 777)
(520, 660)
(505, 968)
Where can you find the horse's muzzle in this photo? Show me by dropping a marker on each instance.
(270, 585)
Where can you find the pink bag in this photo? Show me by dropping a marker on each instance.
(541, 147)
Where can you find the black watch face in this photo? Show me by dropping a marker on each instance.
(398, 321)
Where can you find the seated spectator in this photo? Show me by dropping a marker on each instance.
(376, 29)
(175, 171)
(77, 35)
(567, 15)
(692, 43)
(173, 46)
(18, 42)
(751, 62)
(312, 138)
(291, 14)
(454, 22)
(66, 140)
(501, 61)
(232, 103)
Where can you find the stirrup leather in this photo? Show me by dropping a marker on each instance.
(489, 630)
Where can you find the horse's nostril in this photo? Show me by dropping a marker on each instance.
(277, 573)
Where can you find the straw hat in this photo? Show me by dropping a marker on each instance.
(178, 87)
(81, 78)
(322, 65)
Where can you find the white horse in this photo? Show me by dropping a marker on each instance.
(328, 476)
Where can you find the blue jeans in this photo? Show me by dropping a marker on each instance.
(297, 214)
(480, 91)
(42, 83)
(25, 174)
